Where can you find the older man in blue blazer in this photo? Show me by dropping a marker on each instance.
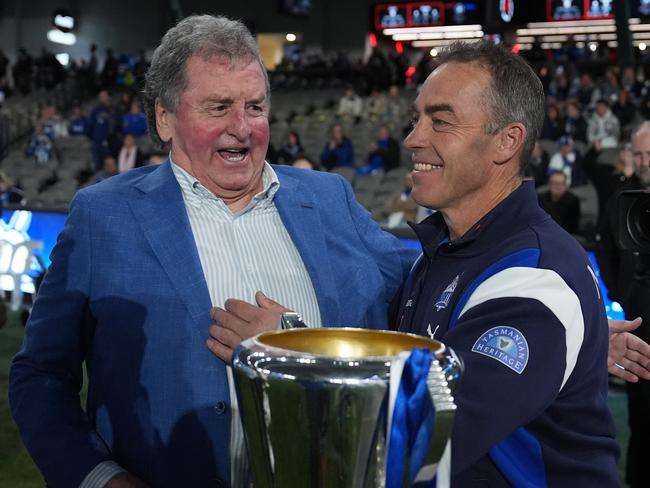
(143, 258)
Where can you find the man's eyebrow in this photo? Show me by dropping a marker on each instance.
(438, 107)
(217, 100)
(258, 100)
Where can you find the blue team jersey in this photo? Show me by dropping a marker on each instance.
(517, 299)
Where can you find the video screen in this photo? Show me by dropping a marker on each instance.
(391, 16)
(565, 9)
(640, 8)
(459, 13)
(427, 14)
(599, 9)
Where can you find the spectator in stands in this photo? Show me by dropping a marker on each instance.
(553, 126)
(49, 71)
(134, 122)
(291, 149)
(396, 109)
(603, 126)
(568, 160)
(40, 145)
(383, 154)
(400, 208)
(79, 124)
(8, 192)
(53, 125)
(305, 162)
(537, 167)
(23, 71)
(641, 86)
(123, 106)
(339, 150)
(610, 88)
(562, 205)
(375, 107)
(560, 89)
(575, 126)
(109, 71)
(130, 156)
(102, 128)
(350, 105)
(606, 178)
(588, 93)
(624, 108)
(92, 69)
(109, 168)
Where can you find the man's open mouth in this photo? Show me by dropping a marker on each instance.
(233, 155)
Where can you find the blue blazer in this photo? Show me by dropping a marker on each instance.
(126, 294)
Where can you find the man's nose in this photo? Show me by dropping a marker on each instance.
(238, 124)
(415, 138)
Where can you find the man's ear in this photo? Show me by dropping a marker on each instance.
(163, 122)
(509, 143)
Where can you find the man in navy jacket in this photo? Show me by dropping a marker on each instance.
(504, 286)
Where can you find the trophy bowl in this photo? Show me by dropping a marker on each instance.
(316, 404)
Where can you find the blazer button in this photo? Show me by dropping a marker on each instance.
(219, 409)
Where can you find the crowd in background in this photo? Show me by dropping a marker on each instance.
(592, 106)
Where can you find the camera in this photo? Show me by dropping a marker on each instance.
(634, 221)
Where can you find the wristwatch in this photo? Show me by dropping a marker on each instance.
(291, 320)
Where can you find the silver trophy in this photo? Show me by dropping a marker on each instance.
(316, 404)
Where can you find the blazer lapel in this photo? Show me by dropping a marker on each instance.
(296, 205)
(162, 215)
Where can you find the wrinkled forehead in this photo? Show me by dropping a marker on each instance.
(460, 86)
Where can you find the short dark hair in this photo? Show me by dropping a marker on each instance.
(515, 92)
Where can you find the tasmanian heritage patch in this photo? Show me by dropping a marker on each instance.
(505, 344)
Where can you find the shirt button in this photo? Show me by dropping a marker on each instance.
(220, 408)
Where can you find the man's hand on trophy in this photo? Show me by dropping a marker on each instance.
(239, 320)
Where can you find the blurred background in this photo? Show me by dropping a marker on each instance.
(344, 75)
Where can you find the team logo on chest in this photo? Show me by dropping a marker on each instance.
(505, 344)
(443, 301)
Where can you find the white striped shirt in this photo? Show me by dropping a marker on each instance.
(240, 253)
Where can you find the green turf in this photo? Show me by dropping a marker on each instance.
(16, 467)
(18, 471)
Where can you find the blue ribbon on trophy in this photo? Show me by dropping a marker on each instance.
(412, 422)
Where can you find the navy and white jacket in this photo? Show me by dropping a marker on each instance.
(518, 301)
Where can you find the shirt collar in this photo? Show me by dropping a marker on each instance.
(518, 208)
(194, 193)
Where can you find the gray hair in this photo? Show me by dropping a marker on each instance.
(515, 92)
(198, 35)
